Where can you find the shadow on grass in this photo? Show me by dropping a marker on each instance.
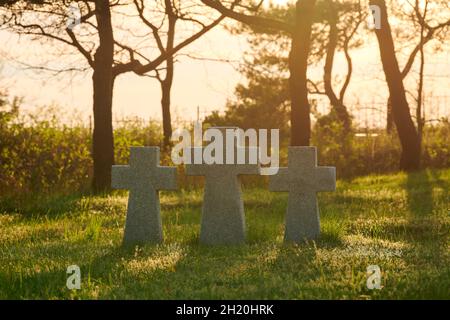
(421, 203)
(418, 224)
(54, 205)
(443, 184)
(228, 270)
(246, 271)
(52, 284)
(419, 188)
(181, 205)
(419, 193)
(427, 233)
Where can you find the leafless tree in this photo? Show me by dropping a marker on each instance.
(162, 21)
(344, 19)
(423, 22)
(94, 40)
(410, 159)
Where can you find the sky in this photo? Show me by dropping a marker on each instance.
(198, 84)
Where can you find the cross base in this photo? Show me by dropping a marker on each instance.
(223, 220)
(143, 223)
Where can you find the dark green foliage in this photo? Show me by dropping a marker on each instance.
(374, 151)
(256, 107)
(436, 149)
(134, 132)
(355, 153)
(43, 156)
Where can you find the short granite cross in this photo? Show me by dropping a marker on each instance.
(223, 220)
(303, 179)
(144, 178)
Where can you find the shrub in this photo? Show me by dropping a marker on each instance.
(41, 155)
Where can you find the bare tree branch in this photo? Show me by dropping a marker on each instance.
(249, 19)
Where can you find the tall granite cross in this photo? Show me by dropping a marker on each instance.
(303, 179)
(144, 178)
(223, 220)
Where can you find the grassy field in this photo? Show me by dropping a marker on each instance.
(399, 222)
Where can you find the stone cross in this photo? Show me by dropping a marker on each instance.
(303, 179)
(223, 220)
(144, 178)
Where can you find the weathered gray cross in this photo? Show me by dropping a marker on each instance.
(303, 179)
(223, 220)
(144, 178)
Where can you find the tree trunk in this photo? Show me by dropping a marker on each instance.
(166, 83)
(420, 119)
(337, 105)
(389, 118)
(165, 104)
(298, 65)
(409, 140)
(103, 81)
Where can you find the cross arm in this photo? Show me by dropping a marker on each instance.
(248, 160)
(165, 178)
(279, 181)
(326, 179)
(120, 177)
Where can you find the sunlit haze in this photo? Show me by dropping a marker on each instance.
(200, 85)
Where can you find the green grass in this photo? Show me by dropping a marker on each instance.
(399, 222)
